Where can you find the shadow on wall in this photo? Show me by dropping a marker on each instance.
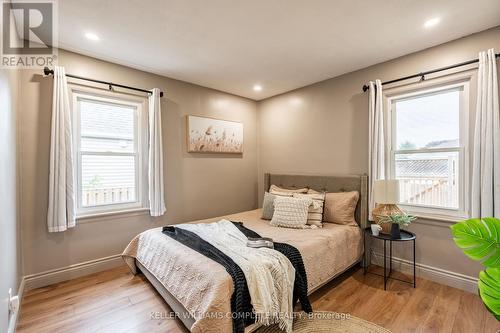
(359, 136)
(172, 167)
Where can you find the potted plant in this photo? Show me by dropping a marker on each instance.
(397, 221)
(480, 241)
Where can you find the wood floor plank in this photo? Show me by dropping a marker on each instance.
(443, 312)
(67, 287)
(78, 299)
(117, 301)
(490, 323)
(416, 310)
(471, 315)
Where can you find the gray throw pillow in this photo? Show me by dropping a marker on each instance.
(268, 206)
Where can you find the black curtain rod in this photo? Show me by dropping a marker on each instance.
(110, 85)
(423, 74)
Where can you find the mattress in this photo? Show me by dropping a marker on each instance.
(204, 288)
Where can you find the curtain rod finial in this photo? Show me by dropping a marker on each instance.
(161, 93)
(365, 88)
(47, 71)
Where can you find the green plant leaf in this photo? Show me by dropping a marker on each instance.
(479, 239)
(489, 290)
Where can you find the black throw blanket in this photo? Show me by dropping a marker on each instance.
(241, 307)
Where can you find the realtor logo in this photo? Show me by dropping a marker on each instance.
(28, 34)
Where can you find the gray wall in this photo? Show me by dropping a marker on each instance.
(197, 186)
(10, 269)
(323, 129)
(318, 129)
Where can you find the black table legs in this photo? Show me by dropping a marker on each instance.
(414, 276)
(385, 271)
(388, 272)
(365, 262)
(387, 275)
(390, 256)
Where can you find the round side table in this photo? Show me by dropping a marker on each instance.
(406, 236)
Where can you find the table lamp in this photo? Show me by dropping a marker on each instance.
(386, 197)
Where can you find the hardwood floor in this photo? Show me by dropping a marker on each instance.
(116, 301)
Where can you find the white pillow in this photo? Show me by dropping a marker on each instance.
(291, 212)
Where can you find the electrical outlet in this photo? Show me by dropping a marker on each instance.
(13, 302)
(10, 296)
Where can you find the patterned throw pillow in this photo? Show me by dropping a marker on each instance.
(291, 212)
(315, 214)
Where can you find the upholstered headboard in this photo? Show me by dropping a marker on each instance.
(339, 183)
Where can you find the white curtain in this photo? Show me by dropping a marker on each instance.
(155, 174)
(376, 157)
(61, 210)
(486, 155)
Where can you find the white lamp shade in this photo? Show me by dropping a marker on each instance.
(386, 191)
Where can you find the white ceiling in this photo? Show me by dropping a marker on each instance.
(231, 45)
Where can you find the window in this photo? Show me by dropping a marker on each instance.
(428, 141)
(108, 154)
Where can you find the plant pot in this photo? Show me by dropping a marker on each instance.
(384, 210)
(395, 231)
(386, 228)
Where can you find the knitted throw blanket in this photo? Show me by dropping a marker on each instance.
(269, 274)
(240, 300)
(291, 252)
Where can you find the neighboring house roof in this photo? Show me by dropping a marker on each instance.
(443, 144)
(422, 167)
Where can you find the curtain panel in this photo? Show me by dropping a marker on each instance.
(155, 156)
(61, 209)
(485, 194)
(376, 144)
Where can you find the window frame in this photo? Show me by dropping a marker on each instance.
(139, 153)
(435, 86)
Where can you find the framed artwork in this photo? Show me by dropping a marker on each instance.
(210, 135)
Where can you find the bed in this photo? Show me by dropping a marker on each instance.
(199, 290)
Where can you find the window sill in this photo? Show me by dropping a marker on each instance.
(436, 219)
(440, 218)
(435, 215)
(97, 217)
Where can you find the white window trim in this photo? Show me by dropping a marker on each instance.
(460, 80)
(142, 203)
(128, 213)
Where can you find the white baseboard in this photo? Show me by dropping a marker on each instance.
(71, 272)
(452, 279)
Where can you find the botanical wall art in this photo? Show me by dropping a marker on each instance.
(209, 135)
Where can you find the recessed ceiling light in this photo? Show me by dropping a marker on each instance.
(91, 36)
(257, 87)
(432, 22)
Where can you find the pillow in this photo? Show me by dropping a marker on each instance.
(268, 203)
(340, 207)
(311, 191)
(286, 191)
(268, 206)
(290, 212)
(315, 212)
